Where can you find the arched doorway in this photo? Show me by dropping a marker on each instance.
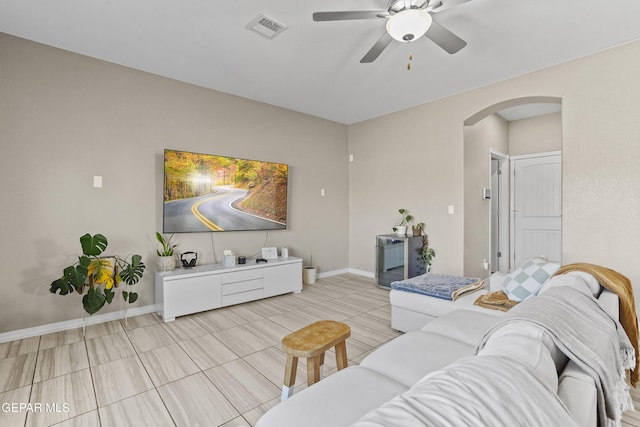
(514, 128)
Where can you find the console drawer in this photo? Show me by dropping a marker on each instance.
(247, 285)
(241, 276)
(242, 297)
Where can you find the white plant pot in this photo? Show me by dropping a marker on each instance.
(401, 230)
(166, 263)
(309, 275)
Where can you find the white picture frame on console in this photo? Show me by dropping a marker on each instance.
(270, 253)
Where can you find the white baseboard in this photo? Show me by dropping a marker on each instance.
(74, 323)
(364, 273)
(115, 315)
(332, 273)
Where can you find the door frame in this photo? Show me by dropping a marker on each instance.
(504, 196)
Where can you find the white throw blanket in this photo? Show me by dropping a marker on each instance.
(587, 335)
(474, 391)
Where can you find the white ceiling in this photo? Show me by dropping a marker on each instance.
(313, 67)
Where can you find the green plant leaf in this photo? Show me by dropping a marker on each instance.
(60, 285)
(93, 245)
(76, 276)
(93, 300)
(125, 295)
(108, 295)
(133, 297)
(132, 271)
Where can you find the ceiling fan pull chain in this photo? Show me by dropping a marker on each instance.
(409, 63)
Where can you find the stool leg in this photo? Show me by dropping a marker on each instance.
(313, 369)
(322, 365)
(341, 355)
(290, 371)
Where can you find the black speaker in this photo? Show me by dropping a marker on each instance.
(188, 263)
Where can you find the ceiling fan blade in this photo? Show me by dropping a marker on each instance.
(349, 15)
(448, 5)
(445, 38)
(377, 49)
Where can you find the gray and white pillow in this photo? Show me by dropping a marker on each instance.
(526, 281)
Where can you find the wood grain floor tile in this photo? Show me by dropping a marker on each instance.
(184, 328)
(214, 321)
(268, 330)
(18, 347)
(130, 323)
(107, 348)
(149, 337)
(61, 338)
(166, 364)
(74, 389)
(241, 341)
(13, 416)
(242, 385)
(271, 362)
(120, 379)
(207, 351)
(61, 360)
(195, 401)
(17, 371)
(144, 409)
(88, 419)
(100, 329)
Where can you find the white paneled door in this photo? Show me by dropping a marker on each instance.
(537, 208)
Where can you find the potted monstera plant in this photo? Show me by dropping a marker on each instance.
(95, 275)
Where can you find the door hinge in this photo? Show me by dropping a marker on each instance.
(499, 254)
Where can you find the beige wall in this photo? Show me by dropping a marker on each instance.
(600, 144)
(489, 133)
(66, 118)
(535, 135)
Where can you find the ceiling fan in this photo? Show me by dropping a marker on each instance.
(407, 20)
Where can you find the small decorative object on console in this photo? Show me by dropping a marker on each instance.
(189, 259)
(270, 253)
(229, 258)
(259, 260)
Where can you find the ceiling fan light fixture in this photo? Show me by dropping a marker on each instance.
(409, 24)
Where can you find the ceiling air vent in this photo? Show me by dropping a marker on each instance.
(266, 26)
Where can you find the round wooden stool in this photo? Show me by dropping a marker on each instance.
(311, 342)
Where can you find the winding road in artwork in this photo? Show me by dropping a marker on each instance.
(213, 212)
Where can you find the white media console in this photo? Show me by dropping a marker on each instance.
(205, 287)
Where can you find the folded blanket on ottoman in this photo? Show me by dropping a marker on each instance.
(439, 285)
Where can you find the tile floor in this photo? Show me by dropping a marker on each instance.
(218, 368)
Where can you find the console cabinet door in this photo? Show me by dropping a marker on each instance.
(282, 279)
(191, 294)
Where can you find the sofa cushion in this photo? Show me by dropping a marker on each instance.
(437, 307)
(577, 390)
(413, 355)
(527, 344)
(466, 326)
(527, 280)
(338, 400)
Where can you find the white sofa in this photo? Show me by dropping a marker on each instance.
(346, 396)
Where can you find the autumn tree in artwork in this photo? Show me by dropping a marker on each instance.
(192, 175)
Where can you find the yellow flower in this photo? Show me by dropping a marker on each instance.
(101, 271)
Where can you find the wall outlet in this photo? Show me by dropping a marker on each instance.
(450, 210)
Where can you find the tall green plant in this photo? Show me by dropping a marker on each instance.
(167, 247)
(98, 274)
